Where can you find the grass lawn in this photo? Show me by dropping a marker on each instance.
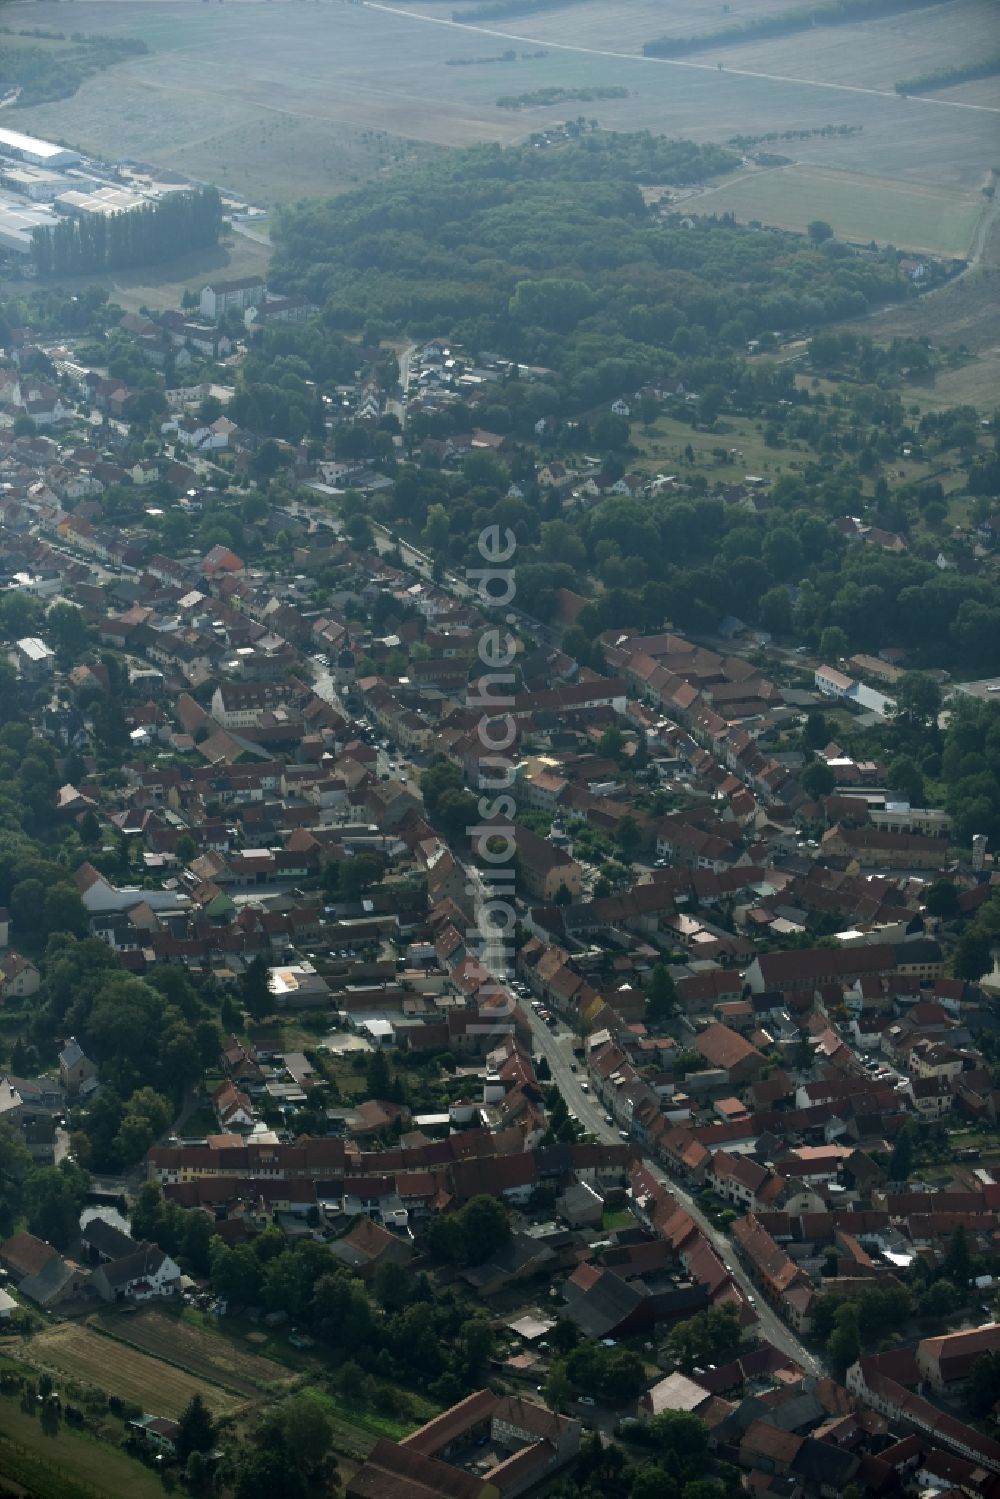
(662, 445)
(348, 1070)
(161, 286)
(52, 1466)
(617, 1218)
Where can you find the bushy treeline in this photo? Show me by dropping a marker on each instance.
(547, 96)
(495, 10)
(963, 72)
(787, 23)
(746, 142)
(158, 231)
(43, 75)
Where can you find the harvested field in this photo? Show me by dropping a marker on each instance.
(77, 1351)
(278, 101)
(202, 1354)
(932, 219)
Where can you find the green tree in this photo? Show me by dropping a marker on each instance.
(817, 730)
(308, 1430)
(681, 1433)
(918, 699)
(436, 528)
(901, 1160)
(557, 1386)
(485, 1227)
(255, 989)
(359, 875)
(475, 1342)
(378, 1080)
(817, 779)
(236, 1273)
(905, 776)
(628, 836)
(957, 1263)
(185, 848)
(393, 1285)
(941, 900)
(53, 1197)
(661, 997)
(819, 231)
(844, 1343)
(651, 1481)
(15, 1166)
(833, 644)
(973, 956)
(775, 611)
(196, 1429)
(983, 1389)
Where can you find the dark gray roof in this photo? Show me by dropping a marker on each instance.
(108, 1240)
(50, 1282)
(824, 1463)
(145, 1260)
(598, 1311)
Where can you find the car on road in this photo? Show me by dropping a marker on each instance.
(584, 1086)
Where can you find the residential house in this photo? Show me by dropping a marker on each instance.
(225, 296)
(19, 978)
(76, 1069)
(142, 1275)
(948, 1360)
(730, 1052)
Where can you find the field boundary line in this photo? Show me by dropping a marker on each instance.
(675, 62)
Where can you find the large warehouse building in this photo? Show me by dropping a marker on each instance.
(18, 217)
(37, 153)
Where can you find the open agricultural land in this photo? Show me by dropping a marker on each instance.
(279, 101)
(204, 1355)
(77, 1351)
(929, 218)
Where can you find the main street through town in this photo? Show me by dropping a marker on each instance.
(557, 1048)
(556, 1045)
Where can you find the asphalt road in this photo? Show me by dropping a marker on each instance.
(397, 404)
(556, 1047)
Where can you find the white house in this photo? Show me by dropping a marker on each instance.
(223, 296)
(140, 1276)
(831, 682)
(99, 895)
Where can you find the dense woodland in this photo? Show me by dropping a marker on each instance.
(470, 246)
(467, 250)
